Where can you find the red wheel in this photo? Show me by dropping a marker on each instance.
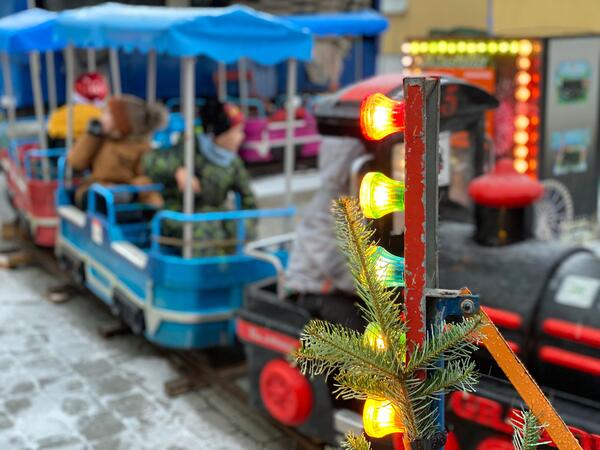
(495, 443)
(285, 392)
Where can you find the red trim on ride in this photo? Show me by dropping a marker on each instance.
(572, 332)
(495, 443)
(382, 83)
(570, 360)
(503, 318)
(264, 337)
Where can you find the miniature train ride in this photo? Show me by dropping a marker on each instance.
(542, 295)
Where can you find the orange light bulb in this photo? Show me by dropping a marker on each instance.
(521, 137)
(523, 63)
(522, 94)
(521, 122)
(520, 165)
(381, 116)
(521, 151)
(525, 47)
(523, 78)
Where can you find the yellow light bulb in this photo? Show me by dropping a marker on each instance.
(514, 47)
(424, 47)
(380, 195)
(523, 63)
(443, 47)
(523, 78)
(520, 165)
(525, 47)
(521, 137)
(407, 61)
(373, 337)
(504, 47)
(380, 418)
(471, 48)
(433, 47)
(414, 47)
(492, 47)
(481, 47)
(451, 48)
(461, 46)
(522, 94)
(521, 122)
(521, 151)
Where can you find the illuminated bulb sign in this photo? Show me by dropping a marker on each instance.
(521, 57)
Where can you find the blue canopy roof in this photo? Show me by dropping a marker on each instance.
(223, 34)
(355, 23)
(28, 30)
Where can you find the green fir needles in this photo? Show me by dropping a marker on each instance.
(362, 370)
(527, 431)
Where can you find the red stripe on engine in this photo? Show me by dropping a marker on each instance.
(503, 318)
(570, 360)
(572, 332)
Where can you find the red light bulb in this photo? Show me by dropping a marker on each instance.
(381, 116)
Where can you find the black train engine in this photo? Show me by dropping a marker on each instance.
(542, 295)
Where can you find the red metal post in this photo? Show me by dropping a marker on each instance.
(421, 96)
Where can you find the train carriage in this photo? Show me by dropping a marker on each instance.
(115, 246)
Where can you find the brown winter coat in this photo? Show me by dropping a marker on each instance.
(111, 161)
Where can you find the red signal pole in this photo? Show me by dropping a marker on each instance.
(422, 101)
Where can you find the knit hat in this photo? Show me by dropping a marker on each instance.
(218, 117)
(134, 116)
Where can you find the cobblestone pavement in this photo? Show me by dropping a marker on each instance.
(64, 387)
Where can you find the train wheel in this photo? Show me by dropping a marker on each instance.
(495, 443)
(285, 392)
(553, 211)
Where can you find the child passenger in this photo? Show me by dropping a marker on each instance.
(218, 170)
(113, 146)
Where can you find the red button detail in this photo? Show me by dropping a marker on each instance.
(505, 187)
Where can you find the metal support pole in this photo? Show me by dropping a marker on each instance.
(421, 140)
(38, 103)
(70, 68)
(359, 56)
(188, 96)
(289, 155)
(243, 84)
(151, 77)
(51, 80)
(115, 71)
(9, 93)
(91, 59)
(422, 97)
(222, 82)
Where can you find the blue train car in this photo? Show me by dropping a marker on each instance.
(114, 249)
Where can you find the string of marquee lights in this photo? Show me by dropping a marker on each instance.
(526, 84)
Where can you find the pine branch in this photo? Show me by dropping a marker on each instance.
(456, 341)
(381, 304)
(327, 347)
(354, 442)
(527, 431)
(458, 375)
